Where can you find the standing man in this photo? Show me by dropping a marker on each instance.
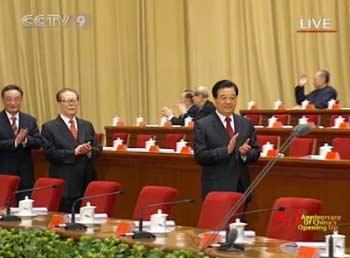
(19, 134)
(186, 107)
(322, 93)
(70, 146)
(201, 100)
(225, 143)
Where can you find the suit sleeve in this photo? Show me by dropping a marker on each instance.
(34, 139)
(177, 120)
(203, 155)
(299, 94)
(52, 152)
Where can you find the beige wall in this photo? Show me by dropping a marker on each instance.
(134, 56)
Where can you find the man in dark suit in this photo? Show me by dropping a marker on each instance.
(186, 107)
(201, 100)
(70, 145)
(225, 143)
(322, 93)
(19, 134)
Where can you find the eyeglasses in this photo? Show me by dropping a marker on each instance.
(70, 101)
(16, 100)
(228, 97)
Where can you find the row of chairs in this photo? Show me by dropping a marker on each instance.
(170, 139)
(286, 118)
(301, 147)
(282, 225)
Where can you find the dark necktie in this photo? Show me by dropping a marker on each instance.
(14, 125)
(229, 129)
(73, 129)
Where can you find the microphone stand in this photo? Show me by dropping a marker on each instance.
(251, 188)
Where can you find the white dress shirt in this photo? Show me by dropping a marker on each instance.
(222, 118)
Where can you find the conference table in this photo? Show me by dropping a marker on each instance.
(181, 238)
(324, 114)
(327, 180)
(322, 135)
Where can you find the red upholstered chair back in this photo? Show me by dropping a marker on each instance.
(141, 140)
(333, 117)
(313, 118)
(283, 118)
(172, 138)
(153, 195)
(99, 138)
(48, 197)
(121, 136)
(215, 207)
(273, 139)
(301, 147)
(8, 185)
(342, 145)
(255, 118)
(284, 224)
(103, 204)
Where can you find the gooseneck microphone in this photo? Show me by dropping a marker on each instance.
(299, 130)
(78, 226)
(8, 216)
(140, 234)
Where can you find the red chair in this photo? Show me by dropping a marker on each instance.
(301, 147)
(99, 138)
(121, 136)
(141, 140)
(103, 204)
(313, 119)
(152, 195)
(255, 118)
(171, 139)
(284, 224)
(8, 185)
(283, 118)
(263, 139)
(341, 145)
(215, 207)
(48, 197)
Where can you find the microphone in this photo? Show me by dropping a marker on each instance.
(78, 226)
(301, 130)
(297, 131)
(8, 216)
(147, 235)
(281, 208)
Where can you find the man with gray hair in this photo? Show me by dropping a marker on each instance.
(322, 93)
(201, 100)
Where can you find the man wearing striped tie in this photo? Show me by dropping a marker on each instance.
(70, 145)
(19, 134)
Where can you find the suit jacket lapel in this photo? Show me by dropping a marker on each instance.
(7, 122)
(220, 128)
(81, 132)
(65, 130)
(239, 130)
(20, 121)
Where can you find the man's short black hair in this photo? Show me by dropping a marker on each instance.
(11, 87)
(188, 94)
(326, 75)
(223, 84)
(59, 93)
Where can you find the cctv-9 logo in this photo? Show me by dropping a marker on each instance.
(52, 20)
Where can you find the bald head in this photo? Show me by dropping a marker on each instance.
(201, 95)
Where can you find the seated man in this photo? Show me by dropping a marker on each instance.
(201, 100)
(186, 108)
(322, 93)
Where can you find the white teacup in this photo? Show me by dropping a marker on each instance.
(87, 213)
(338, 244)
(158, 221)
(239, 226)
(25, 206)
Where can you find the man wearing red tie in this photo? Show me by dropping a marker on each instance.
(70, 145)
(19, 134)
(225, 143)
